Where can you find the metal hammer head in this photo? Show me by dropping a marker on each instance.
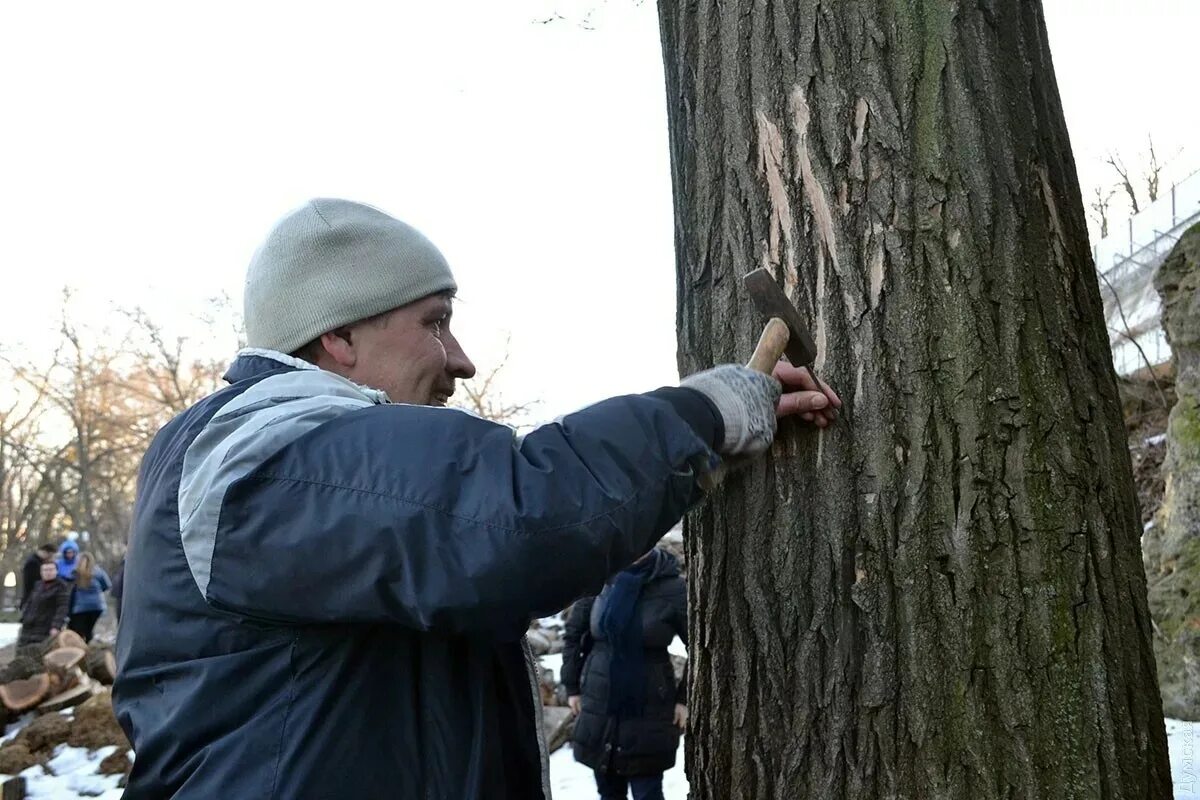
(770, 300)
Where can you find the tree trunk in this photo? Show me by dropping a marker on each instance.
(942, 596)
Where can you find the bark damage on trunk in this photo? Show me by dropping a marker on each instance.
(941, 597)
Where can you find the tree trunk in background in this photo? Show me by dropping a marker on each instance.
(1172, 546)
(943, 596)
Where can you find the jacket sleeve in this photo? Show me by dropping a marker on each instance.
(62, 606)
(118, 581)
(102, 580)
(573, 654)
(30, 575)
(441, 521)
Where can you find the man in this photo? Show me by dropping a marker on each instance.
(32, 568)
(46, 612)
(330, 575)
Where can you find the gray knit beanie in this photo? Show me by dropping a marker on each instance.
(331, 263)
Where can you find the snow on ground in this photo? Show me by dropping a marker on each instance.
(72, 774)
(677, 648)
(552, 662)
(571, 780)
(1183, 740)
(1153, 440)
(9, 632)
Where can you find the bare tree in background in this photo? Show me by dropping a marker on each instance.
(88, 460)
(1099, 207)
(72, 440)
(1114, 160)
(22, 479)
(482, 397)
(165, 374)
(1150, 178)
(1153, 172)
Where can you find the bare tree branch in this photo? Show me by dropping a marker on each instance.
(1128, 336)
(1114, 161)
(483, 399)
(1099, 207)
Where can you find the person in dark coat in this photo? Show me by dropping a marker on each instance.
(32, 568)
(46, 612)
(330, 575)
(118, 588)
(619, 677)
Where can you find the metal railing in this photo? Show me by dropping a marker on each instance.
(1127, 261)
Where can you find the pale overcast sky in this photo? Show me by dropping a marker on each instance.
(147, 147)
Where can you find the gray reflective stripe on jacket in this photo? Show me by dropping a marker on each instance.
(249, 429)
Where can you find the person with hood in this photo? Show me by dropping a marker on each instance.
(328, 568)
(31, 570)
(46, 612)
(87, 598)
(619, 678)
(67, 560)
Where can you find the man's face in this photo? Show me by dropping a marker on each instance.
(49, 572)
(410, 353)
(68, 555)
(46, 555)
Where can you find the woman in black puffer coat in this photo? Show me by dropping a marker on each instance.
(619, 678)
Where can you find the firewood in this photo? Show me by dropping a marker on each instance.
(25, 694)
(71, 697)
(65, 638)
(101, 664)
(64, 658)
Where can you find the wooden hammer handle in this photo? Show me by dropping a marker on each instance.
(771, 344)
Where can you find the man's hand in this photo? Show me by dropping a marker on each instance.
(803, 397)
(53, 632)
(681, 716)
(746, 401)
(574, 702)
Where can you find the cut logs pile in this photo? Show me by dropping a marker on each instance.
(59, 673)
(63, 683)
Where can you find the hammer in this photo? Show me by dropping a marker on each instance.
(784, 334)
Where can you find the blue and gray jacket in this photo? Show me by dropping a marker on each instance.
(327, 594)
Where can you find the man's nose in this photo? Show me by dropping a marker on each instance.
(457, 363)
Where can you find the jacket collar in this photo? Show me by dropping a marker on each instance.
(254, 362)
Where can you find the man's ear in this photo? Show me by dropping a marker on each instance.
(339, 346)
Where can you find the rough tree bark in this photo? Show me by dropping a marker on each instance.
(941, 597)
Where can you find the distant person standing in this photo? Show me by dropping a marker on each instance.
(31, 570)
(87, 600)
(68, 560)
(620, 681)
(46, 612)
